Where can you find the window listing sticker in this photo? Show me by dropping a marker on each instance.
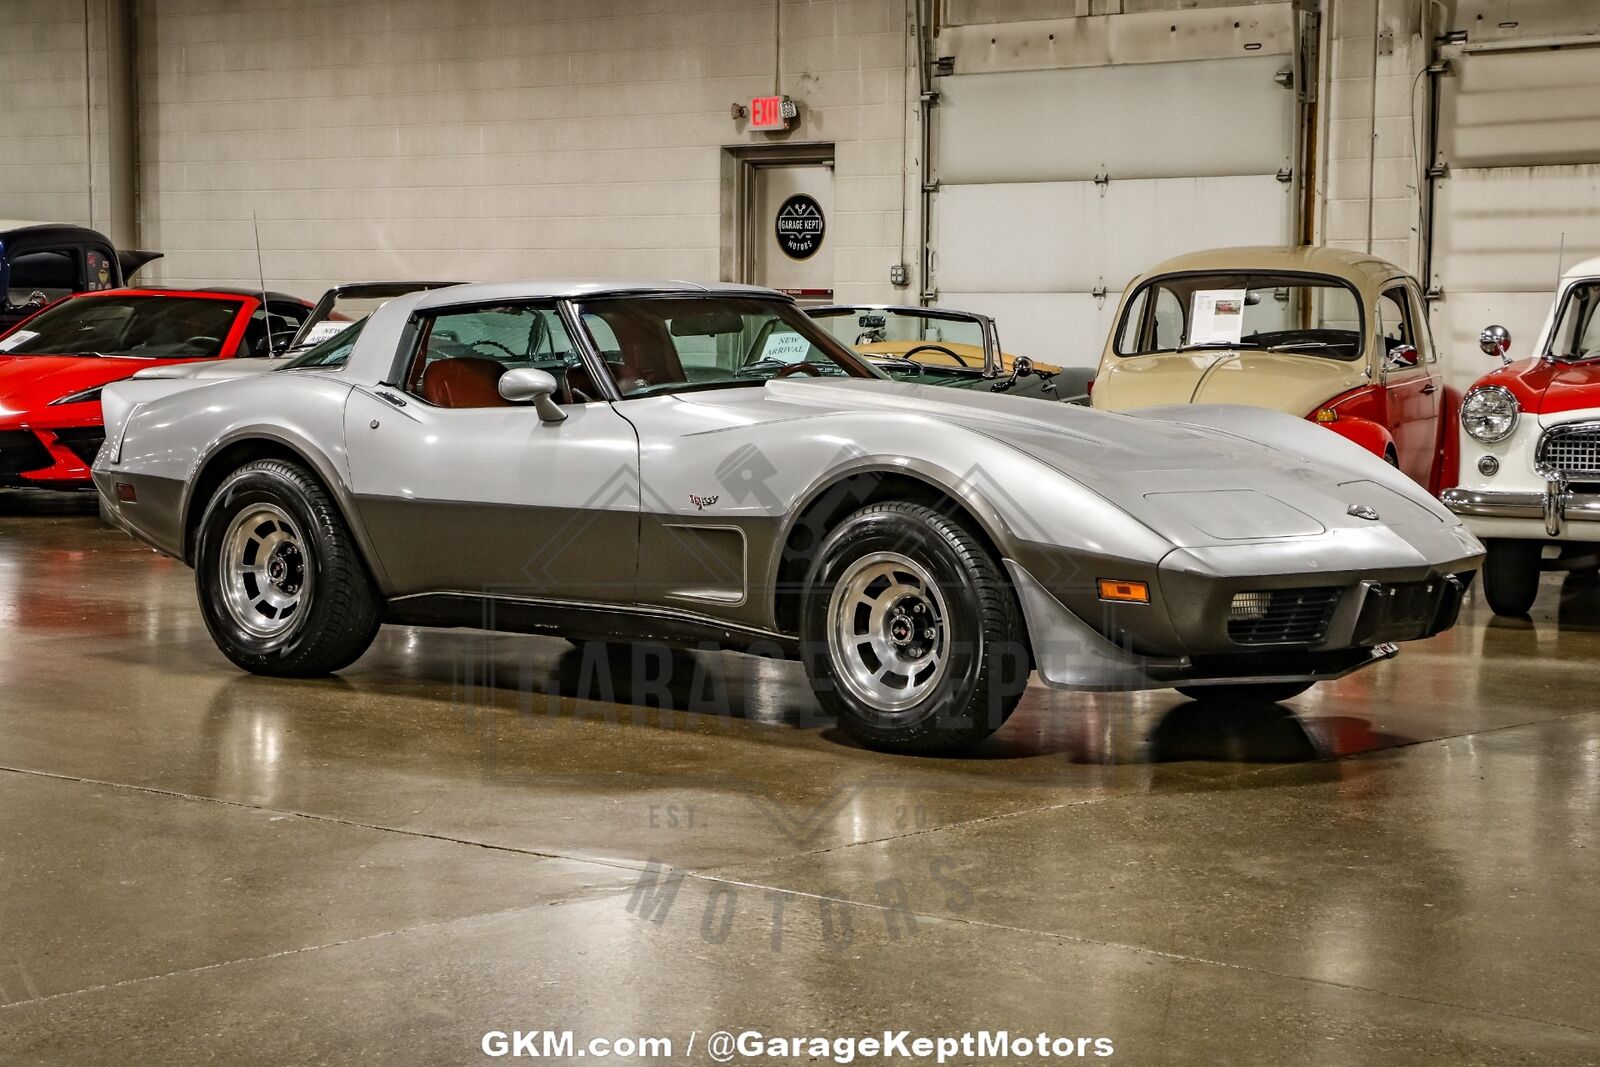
(1218, 317)
(8, 343)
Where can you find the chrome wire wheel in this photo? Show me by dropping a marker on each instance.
(264, 575)
(888, 631)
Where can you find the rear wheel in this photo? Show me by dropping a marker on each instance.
(1266, 693)
(1511, 575)
(911, 633)
(282, 588)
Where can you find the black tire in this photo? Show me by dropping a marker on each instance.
(337, 613)
(980, 643)
(1263, 694)
(1511, 575)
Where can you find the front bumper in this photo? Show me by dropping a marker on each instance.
(1366, 616)
(1555, 507)
(48, 458)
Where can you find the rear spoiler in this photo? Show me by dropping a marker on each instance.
(132, 259)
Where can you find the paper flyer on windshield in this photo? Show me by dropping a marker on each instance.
(1218, 317)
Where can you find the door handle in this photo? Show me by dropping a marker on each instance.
(1429, 389)
(382, 394)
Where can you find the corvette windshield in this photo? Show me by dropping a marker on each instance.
(896, 330)
(1300, 314)
(673, 344)
(144, 327)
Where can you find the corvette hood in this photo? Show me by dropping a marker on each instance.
(1193, 484)
(28, 383)
(1293, 384)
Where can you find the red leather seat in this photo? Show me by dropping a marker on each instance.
(463, 382)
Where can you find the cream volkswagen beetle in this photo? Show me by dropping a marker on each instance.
(1337, 337)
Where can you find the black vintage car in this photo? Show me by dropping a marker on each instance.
(42, 262)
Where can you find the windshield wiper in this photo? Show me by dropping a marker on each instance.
(1241, 343)
(1295, 346)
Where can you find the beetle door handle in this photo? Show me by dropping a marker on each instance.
(1429, 389)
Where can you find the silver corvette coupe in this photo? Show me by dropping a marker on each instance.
(704, 465)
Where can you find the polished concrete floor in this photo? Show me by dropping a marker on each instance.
(467, 832)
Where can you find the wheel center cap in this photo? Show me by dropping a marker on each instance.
(901, 629)
(284, 569)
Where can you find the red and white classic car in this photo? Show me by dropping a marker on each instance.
(1530, 449)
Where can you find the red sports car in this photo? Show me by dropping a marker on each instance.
(54, 364)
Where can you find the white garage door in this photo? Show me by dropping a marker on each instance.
(1058, 186)
(1519, 132)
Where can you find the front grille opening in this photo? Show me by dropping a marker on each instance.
(83, 441)
(1281, 616)
(21, 451)
(1572, 450)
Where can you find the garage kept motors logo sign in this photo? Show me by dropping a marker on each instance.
(800, 226)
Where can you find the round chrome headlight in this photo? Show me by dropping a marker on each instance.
(1490, 414)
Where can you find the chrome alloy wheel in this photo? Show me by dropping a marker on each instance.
(264, 578)
(888, 631)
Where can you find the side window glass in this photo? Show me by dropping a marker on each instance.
(98, 261)
(1132, 323)
(1169, 320)
(1393, 320)
(464, 352)
(51, 272)
(1422, 331)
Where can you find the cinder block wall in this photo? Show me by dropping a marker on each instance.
(1371, 136)
(52, 118)
(473, 138)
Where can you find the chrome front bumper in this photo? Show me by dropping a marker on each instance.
(1557, 505)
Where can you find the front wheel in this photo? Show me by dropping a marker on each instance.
(1263, 693)
(1511, 575)
(282, 588)
(911, 633)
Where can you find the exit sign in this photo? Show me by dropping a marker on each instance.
(771, 112)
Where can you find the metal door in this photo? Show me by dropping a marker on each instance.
(787, 227)
(1516, 191)
(1056, 186)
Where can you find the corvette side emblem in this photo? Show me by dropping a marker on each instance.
(1361, 511)
(703, 502)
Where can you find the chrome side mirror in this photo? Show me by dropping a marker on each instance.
(525, 384)
(1403, 357)
(36, 299)
(1495, 341)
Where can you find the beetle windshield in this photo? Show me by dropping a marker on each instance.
(1577, 332)
(141, 326)
(1312, 315)
(672, 344)
(864, 326)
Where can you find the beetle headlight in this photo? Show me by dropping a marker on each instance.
(1490, 414)
(79, 398)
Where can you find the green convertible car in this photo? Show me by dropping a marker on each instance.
(960, 349)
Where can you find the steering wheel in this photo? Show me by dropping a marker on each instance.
(202, 341)
(936, 348)
(795, 368)
(492, 341)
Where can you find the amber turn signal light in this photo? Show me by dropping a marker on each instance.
(1327, 415)
(1124, 592)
